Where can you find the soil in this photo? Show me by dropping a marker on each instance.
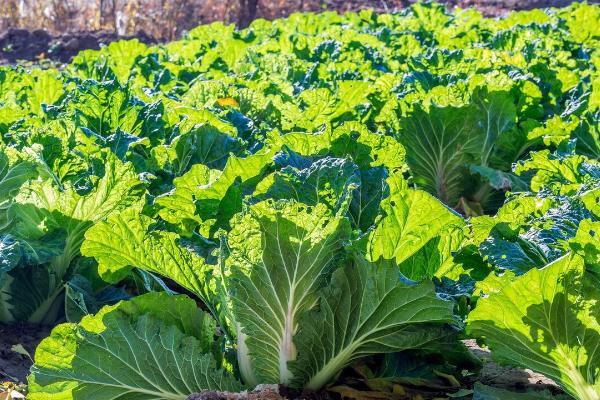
(38, 45)
(514, 379)
(14, 367)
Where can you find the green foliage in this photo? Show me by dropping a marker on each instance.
(546, 320)
(306, 181)
(145, 348)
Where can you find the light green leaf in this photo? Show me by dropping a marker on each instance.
(365, 310)
(410, 220)
(202, 194)
(204, 144)
(586, 243)
(280, 255)
(327, 181)
(116, 354)
(12, 176)
(441, 141)
(126, 240)
(547, 321)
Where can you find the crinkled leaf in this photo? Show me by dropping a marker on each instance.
(116, 354)
(126, 240)
(202, 195)
(326, 181)
(366, 199)
(546, 320)
(366, 309)
(586, 243)
(280, 254)
(410, 219)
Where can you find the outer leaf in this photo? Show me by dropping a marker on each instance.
(443, 140)
(202, 195)
(204, 144)
(410, 220)
(280, 255)
(439, 143)
(43, 208)
(12, 176)
(366, 199)
(547, 320)
(325, 181)
(586, 243)
(115, 354)
(125, 240)
(365, 310)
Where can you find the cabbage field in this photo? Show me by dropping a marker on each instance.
(329, 203)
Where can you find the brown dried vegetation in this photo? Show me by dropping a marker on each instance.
(168, 19)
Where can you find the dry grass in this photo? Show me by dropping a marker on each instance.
(161, 18)
(167, 19)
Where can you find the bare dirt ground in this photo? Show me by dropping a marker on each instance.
(39, 45)
(516, 379)
(14, 366)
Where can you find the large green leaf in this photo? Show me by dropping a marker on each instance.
(204, 195)
(439, 143)
(204, 144)
(366, 199)
(442, 141)
(103, 108)
(365, 310)
(546, 320)
(13, 175)
(413, 221)
(156, 347)
(280, 254)
(126, 240)
(327, 181)
(129, 240)
(349, 140)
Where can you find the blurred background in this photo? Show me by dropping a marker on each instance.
(54, 31)
(168, 19)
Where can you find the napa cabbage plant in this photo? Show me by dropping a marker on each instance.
(295, 293)
(540, 311)
(282, 177)
(44, 223)
(546, 320)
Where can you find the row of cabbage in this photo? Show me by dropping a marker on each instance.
(281, 203)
